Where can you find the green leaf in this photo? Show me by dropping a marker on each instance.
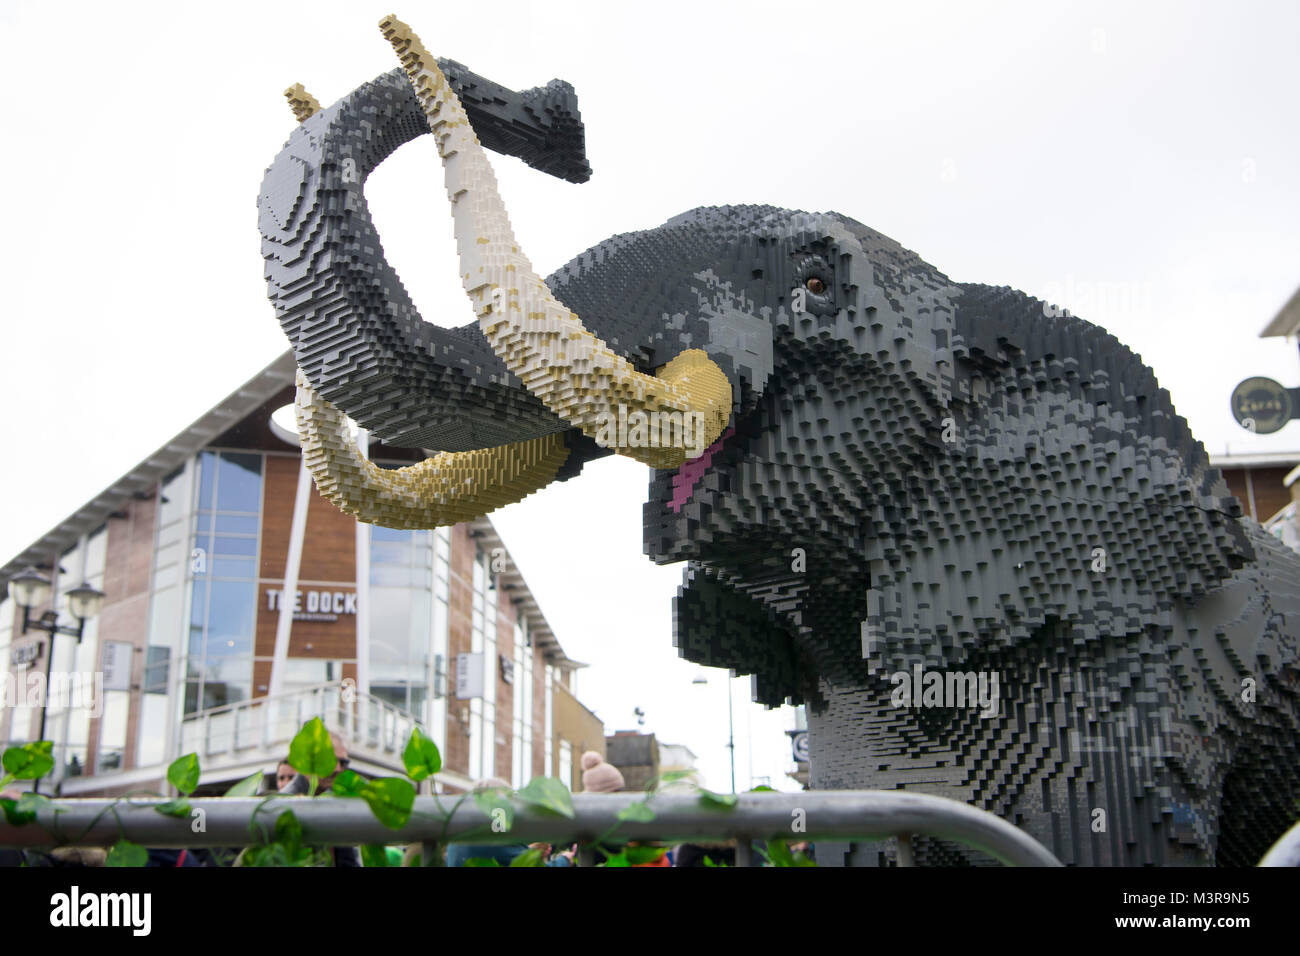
(126, 853)
(708, 861)
(762, 788)
(637, 855)
(780, 854)
(173, 808)
(719, 801)
(374, 855)
(638, 812)
(288, 831)
(618, 859)
(247, 787)
(421, 757)
(31, 802)
(480, 861)
(312, 753)
(390, 799)
(530, 857)
(13, 816)
(183, 774)
(672, 775)
(490, 801)
(30, 761)
(548, 792)
(348, 784)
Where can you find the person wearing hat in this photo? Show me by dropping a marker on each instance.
(598, 776)
(601, 777)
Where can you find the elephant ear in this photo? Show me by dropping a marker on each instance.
(718, 626)
(1001, 330)
(1032, 349)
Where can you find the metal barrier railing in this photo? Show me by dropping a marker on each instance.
(679, 818)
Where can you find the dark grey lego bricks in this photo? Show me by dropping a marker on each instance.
(355, 332)
(951, 459)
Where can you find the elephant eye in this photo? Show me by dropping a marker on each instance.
(815, 286)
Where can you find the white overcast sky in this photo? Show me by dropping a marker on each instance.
(1136, 163)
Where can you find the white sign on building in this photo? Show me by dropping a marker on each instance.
(117, 665)
(469, 676)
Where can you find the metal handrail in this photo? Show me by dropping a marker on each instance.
(260, 701)
(301, 702)
(834, 815)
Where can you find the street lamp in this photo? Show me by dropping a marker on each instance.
(30, 589)
(731, 727)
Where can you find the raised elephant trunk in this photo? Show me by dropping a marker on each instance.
(545, 345)
(573, 373)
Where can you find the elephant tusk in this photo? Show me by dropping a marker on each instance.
(303, 104)
(443, 490)
(573, 373)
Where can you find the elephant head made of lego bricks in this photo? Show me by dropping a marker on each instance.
(967, 529)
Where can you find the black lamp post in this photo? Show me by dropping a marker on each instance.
(31, 589)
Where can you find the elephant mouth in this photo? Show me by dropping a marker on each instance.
(688, 473)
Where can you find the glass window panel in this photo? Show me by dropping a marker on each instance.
(231, 613)
(202, 545)
(237, 524)
(207, 478)
(203, 521)
(389, 577)
(239, 482)
(20, 724)
(156, 664)
(390, 615)
(76, 761)
(390, 553)
(389, 534)
(394, 694)
(191, 696)
(418, 626)
(231, 670)
(419, 693)
(232, 567)
(198, 603)
(219, 694)
(225, 544)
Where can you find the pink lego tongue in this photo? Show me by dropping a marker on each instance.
(692, 471)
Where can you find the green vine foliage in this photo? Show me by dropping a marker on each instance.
(390, 799)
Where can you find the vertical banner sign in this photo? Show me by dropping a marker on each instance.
(117, 665)
(469, 676)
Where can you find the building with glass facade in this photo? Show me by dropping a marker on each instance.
(239, 603)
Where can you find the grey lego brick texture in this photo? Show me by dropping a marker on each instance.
(355, 332)
(918, 473)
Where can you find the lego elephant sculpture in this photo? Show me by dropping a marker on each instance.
(968, 530)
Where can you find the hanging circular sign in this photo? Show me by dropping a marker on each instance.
(1261, 405)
